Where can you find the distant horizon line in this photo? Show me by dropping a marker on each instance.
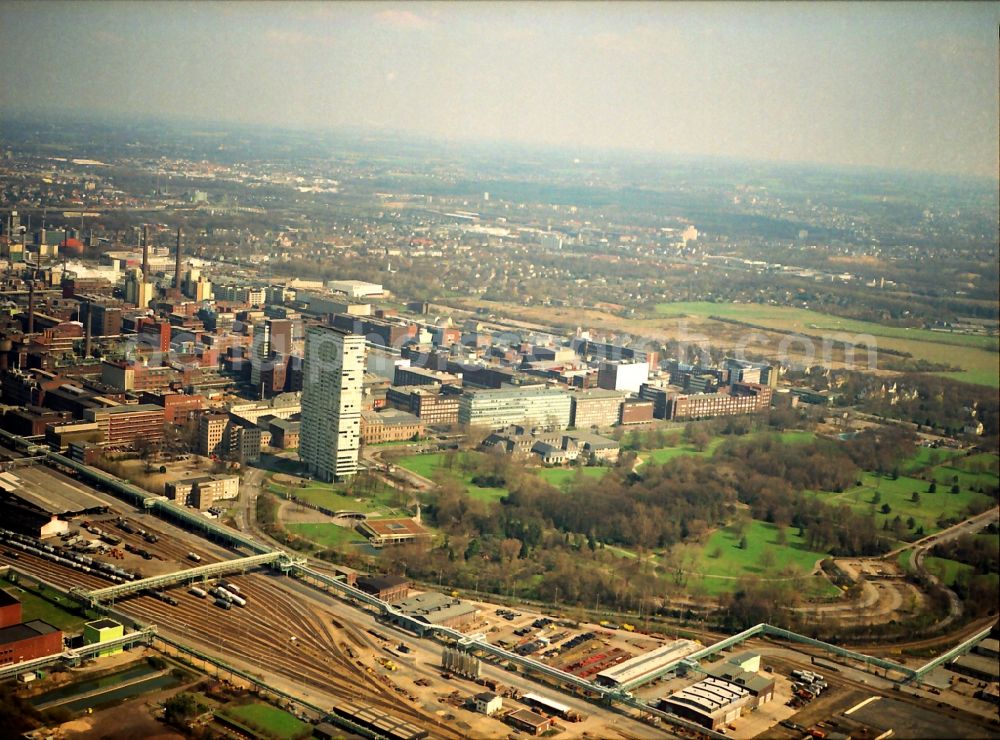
(14, 113)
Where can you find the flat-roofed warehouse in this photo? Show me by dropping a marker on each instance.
(436, 609)
(37, 501)
(712, 702)
(385, 725)
(550, 706)
(27, 641)
(636, 670)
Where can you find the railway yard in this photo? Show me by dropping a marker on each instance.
(324, 649)
(277, 634)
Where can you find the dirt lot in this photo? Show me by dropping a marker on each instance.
(131, 720)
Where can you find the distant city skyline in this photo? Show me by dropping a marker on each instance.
(900, 85)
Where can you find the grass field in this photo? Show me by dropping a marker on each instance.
(897, 493)
(946, 475)
(722, 562)
(666, 454)
(904, 560)
(971, 471)
(806, 321)
(275, 722)
(424, 465)
(947, 570)
(35, 607)
(326, 534)
(377, 504)
(926, 456)
(428, 465)
(976, 355)
(982, 462)
(561, 477)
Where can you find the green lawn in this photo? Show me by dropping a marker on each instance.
(926, 456)
(946, 570)
(379, 503)
(276, 722)
(897, 493)
(35, 607)
(945, 476)
(904, 560)
(424, 465)
(982, 462)
(975, 376)
(428, 465)
(976, 355)
(666, 454)
(561, 477)
(980, 470)
(730, 562)
(326, 534)
(480, 493)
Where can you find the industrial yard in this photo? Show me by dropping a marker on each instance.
(317, 643)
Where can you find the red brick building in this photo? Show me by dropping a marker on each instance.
(10, 610)
(127, 423)
(32, 421)
(387, 588)
(636, 412)
(742, 398)
(27, 641)
(154, 334)
(177, 407)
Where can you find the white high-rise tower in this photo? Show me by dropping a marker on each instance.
(332, 376)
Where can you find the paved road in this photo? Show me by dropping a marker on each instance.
(970, 525)
(246, 517)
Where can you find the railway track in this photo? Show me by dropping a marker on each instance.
(169, 547)
(938, 641)
(263, 640)
(259, 635)
(56, 574)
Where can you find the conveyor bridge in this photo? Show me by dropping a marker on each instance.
(201, 572)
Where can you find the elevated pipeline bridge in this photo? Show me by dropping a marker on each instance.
(956, 651)
(212, 570)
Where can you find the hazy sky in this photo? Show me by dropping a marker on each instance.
(889, 84)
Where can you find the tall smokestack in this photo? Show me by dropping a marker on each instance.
(145, 254)
(31, 307)
(88, 334)
(177, 266)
